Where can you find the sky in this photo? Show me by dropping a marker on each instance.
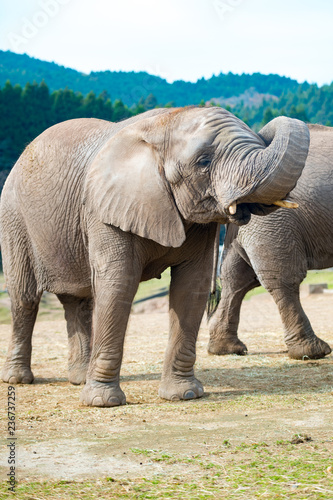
(176, 39)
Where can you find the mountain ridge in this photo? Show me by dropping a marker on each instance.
(130, 87)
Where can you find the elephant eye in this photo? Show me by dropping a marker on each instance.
(203, 162)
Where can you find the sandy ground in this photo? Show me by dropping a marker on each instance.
(264, 396)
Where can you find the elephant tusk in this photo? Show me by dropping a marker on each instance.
(232, 208)
(285, 204)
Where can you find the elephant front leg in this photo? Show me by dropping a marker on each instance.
(188, 297)
(237, 278)
(113, 300)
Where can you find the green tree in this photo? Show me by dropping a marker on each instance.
(268, 116)
(120, 111)
(104, 109)
(12, 124)
(150, 102)
(66, 105)
(298, 112)
(170, 104)
(36, 107)
(136, 110)
(89, 105)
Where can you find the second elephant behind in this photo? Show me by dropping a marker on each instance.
(277, 251)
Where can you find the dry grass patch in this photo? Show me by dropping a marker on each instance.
(238, 441)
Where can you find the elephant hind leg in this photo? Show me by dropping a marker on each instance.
(301, 340)
(237, 278)
(78, 314)
(24, 308)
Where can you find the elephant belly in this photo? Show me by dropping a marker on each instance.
(62, 267)
(78, 286)
(321, 262)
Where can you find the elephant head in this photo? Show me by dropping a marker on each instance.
(193, 164)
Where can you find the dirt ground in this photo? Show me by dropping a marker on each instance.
(261, 397)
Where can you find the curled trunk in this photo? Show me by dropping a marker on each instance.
(280, 163)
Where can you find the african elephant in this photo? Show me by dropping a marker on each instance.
(92, 208)
(277, 251)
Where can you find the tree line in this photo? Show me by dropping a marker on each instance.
(309, 103)
(27, 111)
(130, 86)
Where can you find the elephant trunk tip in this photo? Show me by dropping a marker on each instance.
(213, 302)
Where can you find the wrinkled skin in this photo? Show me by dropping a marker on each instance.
(277, 251)
(92, 208)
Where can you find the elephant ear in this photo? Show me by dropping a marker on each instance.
(125, 188)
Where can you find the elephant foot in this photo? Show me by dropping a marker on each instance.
(99, 394)
(77, 374)
(177, 389)
(227, 346)
(313, 348)
(14, 374)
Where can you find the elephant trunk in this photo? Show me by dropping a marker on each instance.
(280, 163)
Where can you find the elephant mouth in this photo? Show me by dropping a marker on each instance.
(240, 213)
(244, 211)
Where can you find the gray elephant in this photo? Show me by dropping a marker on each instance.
(92, 208)
(277, 251)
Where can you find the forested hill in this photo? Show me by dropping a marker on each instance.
(35, 95)
(130, 87)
